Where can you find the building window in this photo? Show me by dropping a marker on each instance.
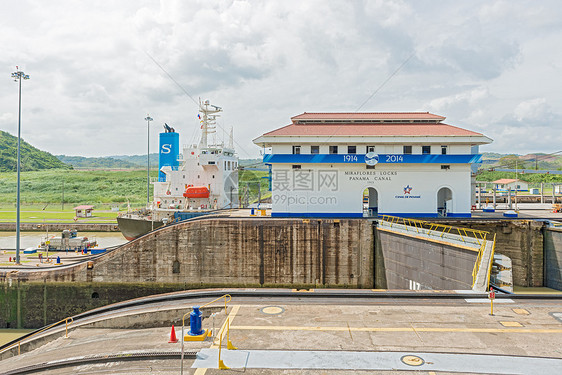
(370, 166)
(443, 150)
(296, 166)
(445, 167)
(333, 149)
(370, 149)
(426, 149)
(296, 150)
(351, 149)
(211, 162)
(407, 149)
(314, 149)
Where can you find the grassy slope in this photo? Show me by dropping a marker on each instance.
(41, 191)
(80, 187)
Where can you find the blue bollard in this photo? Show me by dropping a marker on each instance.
(195, 319)
(58, 259)
(252, 212)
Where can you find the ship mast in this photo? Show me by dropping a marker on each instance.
(208, 121)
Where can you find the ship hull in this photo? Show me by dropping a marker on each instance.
(133, 228)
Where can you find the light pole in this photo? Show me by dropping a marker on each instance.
(18, 75)
(148, 119)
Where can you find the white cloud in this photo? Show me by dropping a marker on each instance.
(531, 109)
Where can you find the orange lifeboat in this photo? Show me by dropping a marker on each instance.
(196, 192)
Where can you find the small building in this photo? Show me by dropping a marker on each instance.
(506, 184)
(84, 211)
(369, 164)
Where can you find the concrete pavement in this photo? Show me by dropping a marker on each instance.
(280, 335)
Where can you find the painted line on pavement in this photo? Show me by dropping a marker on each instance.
(487, 300)
(396, 329)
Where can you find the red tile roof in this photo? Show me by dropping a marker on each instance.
(504, 181)
(375, 116)
(394, 129)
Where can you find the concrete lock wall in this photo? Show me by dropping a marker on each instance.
(412, 263)
(253, 252)
(553, 258)
(231, 252)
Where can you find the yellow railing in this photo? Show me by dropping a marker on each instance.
(437, 229)
(440, 230)
(491, 263)
(479, 260)
(477, 263)
(18, 343)
(227, 299)
(229, 345)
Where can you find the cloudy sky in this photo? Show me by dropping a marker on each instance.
(489, 66)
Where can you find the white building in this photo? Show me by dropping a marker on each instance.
(356, 164)
(505, 184)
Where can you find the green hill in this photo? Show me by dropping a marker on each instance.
(96, 163)
(32, 159)
(138, 160)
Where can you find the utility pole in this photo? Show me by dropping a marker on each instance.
(18, 75)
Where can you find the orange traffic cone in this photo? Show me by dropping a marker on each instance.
(173, 338)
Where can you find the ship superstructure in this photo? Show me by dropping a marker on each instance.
(204, 176)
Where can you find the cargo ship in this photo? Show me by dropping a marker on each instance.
(199, 181)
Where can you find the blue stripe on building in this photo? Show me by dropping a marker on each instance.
(316, 214)
(356, 215)
(382, 159)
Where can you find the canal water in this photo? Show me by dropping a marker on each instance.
(29, 239)
(7, 335)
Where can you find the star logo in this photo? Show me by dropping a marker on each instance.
(407, 189)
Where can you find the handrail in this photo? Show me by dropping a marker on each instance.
(227, 299)
(491, 263)
(476, 267)
(440, 230)
(479, 235)
(229, 345)
(18, 342)
(205, 305)
(216, 299)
